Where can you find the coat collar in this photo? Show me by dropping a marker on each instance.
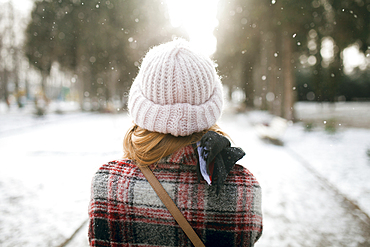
(185, 155)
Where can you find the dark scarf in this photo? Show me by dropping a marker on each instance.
(216, 158)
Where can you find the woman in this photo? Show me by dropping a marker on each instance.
(175, 101)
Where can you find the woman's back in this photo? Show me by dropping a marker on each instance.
(175, 102)
(125, 211)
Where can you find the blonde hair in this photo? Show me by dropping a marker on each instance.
(146, 147)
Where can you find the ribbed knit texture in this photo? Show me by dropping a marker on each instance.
(177, 91)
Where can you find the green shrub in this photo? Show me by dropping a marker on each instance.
(330, 126)
(308, 127)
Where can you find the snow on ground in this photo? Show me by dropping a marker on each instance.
(340, 155)
(299, 210)
(341, 158)
(46, 168)
(342, 114)
(47, 164)
(15, 119)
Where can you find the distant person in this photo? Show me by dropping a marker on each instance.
(175, 102)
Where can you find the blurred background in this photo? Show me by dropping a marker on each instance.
(296, 78)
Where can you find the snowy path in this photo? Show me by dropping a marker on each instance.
(46, 171)
(299, 210)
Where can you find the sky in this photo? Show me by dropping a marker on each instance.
(356, 58)
(24, 6)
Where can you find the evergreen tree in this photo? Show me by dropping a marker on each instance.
(260, 43)
(261, 39)
(100, 41)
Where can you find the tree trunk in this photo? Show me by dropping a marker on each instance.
(288, 77)
(5, 87)
(248, 87)
(272, 89)
(44, 76)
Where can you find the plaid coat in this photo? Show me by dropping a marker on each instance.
(125, 211)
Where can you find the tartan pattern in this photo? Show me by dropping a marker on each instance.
(125, 210)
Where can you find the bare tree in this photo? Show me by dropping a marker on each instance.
(9, 54)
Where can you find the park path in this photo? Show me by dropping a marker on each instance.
(47, 169)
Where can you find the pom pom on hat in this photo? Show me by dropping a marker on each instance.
(177, 91)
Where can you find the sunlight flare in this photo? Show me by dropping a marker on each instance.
(198, 17)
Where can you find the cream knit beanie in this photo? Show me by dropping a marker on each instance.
(177, 91)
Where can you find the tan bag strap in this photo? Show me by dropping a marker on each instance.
(167, 201)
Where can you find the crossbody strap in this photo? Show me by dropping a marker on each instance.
(167, 201)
